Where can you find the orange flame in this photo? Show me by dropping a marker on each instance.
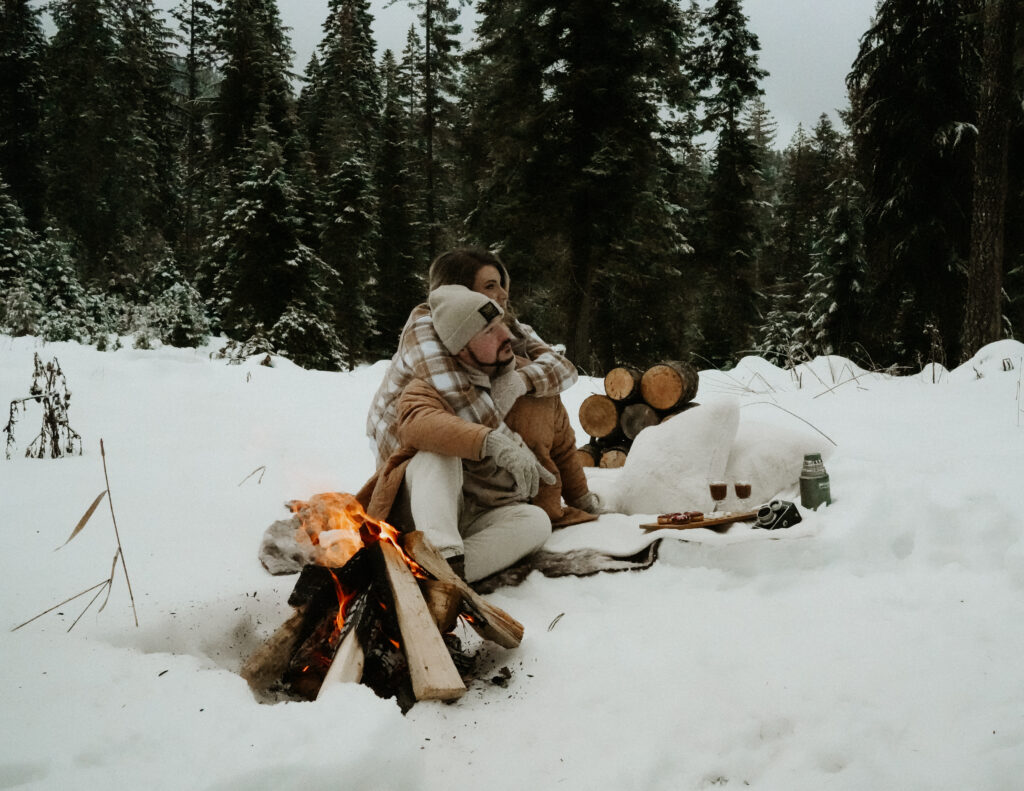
(338, 527)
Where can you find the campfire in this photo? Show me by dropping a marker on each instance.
(376, 607)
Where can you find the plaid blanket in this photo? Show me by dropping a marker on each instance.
(421, 355)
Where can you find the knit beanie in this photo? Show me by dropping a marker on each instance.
(460, 313)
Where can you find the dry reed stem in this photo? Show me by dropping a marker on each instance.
(85, 518)
(61, 604)
(794, 414)
(117, 535)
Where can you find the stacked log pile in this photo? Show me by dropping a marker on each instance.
(632, 401)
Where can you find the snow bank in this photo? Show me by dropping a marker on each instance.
(871, 646)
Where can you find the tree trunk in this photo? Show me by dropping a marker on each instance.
(983, 311)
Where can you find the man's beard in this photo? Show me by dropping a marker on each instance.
(497, 362)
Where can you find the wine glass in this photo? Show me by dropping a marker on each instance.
(742, 488)
(719, 489)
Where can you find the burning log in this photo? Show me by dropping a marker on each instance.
(490, 622)
(270, 661)
(368, 620)
(444, 601)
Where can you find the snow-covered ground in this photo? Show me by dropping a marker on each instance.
(879, 645)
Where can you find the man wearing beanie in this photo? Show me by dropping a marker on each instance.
(466, 486)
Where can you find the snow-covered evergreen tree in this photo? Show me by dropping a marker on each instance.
(254, 56)
(110, 133)
(341, 106)
(196, 21)
(65, 300)
(729, 78)
(574, 110)
(833, 305)
(348, 246)
(22, 89)
(399, 268)
(912, 90)
(263, 267)
(20, 291)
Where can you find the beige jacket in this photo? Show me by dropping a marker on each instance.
(427, 422)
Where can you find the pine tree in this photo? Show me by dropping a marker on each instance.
(983, 314)
(574, 127)
(264, 270)
(833, 305)
(110, 133)
(913, 113)
(196, 32)
(342, 96)
(411, 94)
(397, 260)
(21, 300)
(440, 69)
(767, 184)
(255, 59)
(348, 246)
(730, 82)
(22, 53)
(342, 121)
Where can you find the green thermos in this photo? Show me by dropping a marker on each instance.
(814, 486)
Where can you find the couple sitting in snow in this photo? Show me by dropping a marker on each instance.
(473, 444)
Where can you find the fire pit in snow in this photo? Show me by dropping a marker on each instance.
(377, 607)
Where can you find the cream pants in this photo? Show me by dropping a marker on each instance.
(491, 539)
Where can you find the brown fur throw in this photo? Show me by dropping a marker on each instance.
(281, 553)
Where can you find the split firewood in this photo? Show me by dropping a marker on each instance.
(431, 669)
(268, 663)
(599, 416)
(490, 622)
(443, 600)
(622, 384)
(347, 667)
(669, 384)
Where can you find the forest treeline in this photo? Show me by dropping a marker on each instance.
(172, 177)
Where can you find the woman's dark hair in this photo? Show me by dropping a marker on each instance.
(458, 267)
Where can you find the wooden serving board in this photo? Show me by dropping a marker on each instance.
(722, 520)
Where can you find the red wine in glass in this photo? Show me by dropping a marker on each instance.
(742, 491)
(719, 489)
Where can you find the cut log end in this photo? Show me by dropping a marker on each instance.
(613, 458)
(622, 383)
(588, 455)
(599, 416)
(669, 385)
(637, 417)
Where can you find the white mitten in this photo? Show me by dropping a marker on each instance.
(591, 503)
(506, 389)
(512, 455)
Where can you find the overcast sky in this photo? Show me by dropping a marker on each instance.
(807, 46)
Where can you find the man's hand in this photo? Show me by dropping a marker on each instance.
(514, 456)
